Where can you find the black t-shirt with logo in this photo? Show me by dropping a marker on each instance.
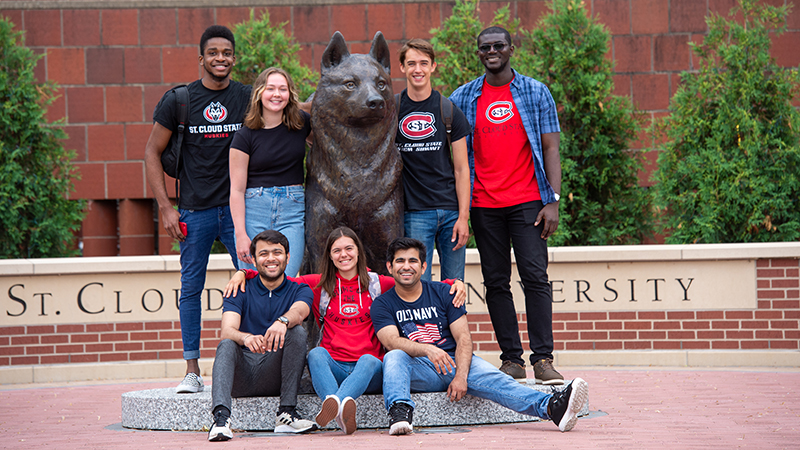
(276, 154)
(214, 118)
(428, 178)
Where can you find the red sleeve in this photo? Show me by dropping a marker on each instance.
(249, 274)
(450, 281)
(386, 283)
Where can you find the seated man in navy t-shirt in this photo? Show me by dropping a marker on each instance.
(430, 350)
(263, 347)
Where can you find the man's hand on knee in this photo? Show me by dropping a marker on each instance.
(255, 342)
(275, 336)
(441, 360)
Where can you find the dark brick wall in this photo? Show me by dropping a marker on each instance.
(113, 65)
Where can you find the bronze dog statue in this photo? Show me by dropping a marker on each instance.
(353, 169)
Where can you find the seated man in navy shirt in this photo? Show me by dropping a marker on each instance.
(430, 350)
(263, 347)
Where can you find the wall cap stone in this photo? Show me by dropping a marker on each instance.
(619, 253)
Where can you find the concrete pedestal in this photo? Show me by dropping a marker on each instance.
(163, 409)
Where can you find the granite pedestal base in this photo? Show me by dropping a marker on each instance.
(163, 409)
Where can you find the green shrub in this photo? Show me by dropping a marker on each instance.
(601, 200)
(36, 218)
(728, 171)
(455, 44)
(260, 45)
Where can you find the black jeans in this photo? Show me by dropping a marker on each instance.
(495, 231)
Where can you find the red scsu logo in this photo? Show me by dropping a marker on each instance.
(418, 125)
(349, 310)
(499, 112)
(215, 112)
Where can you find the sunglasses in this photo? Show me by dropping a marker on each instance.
(486, 48)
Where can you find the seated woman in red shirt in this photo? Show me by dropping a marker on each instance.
(348, 361)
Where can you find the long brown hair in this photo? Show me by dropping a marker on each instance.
(327, 278)
(291, 113)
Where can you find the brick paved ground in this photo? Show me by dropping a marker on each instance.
(646, 409)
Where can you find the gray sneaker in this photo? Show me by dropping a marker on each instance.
(191, 384)
(544, 373)
(516, 371)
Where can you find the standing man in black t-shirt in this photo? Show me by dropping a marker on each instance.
(217, 107)
(435, 183)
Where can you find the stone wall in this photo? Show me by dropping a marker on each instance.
(114, 60)
(735, 304)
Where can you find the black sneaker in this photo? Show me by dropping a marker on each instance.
(400, 417)
(565, 405)
(221, 428)
(289, 421)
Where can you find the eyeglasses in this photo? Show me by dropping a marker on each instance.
(498, 47)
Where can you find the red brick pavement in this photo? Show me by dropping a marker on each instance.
(646, 409)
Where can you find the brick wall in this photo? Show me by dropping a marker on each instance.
(100, 342)
(113, 65)
(774, 324)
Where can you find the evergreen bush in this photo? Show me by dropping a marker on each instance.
(455, 44)
(260, 45)
(601, 200)
(729, 168)
(36, 217)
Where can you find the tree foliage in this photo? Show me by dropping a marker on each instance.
(455, 43)
(728, 170)
(601, 200)
(36, 218)
(260, 45)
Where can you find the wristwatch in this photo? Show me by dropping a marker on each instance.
(558, 197)
(283, 320)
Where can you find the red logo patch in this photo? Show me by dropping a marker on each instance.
(418, 125)
(499, 112)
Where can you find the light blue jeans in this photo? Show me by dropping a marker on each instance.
(435, 226)
(281, 208)
(202, 228)
(344, 378)
(404, 374)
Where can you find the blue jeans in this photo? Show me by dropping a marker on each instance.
(281, 208)
(436, 226)
(202, 228)
(404, 374)
(344, 378)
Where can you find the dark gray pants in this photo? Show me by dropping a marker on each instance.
(239, 372)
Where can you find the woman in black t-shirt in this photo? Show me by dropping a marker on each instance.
(266, 168)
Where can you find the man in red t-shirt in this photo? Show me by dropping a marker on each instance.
(516, 169)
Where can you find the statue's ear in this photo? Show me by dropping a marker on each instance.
(335, 52)
(380, 51)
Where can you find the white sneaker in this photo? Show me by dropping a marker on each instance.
(220, 431)
(330, 410)
(192, 383)
(290, 422)
(347, 416)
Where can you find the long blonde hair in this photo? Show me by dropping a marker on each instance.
(291, 117)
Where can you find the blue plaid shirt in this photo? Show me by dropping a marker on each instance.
(536, 108)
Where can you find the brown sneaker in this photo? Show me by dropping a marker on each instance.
(515, 370)
(544, 373)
